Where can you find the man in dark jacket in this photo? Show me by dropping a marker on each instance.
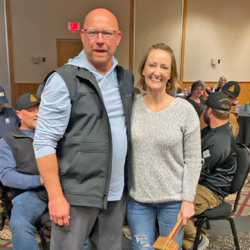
(82, 140)
(219, 162)
(19, 171)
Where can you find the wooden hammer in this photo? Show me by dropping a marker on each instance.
(168, 243)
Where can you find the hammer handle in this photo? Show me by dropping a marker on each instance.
(176, 228)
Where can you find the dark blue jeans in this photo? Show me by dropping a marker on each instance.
(142, 217)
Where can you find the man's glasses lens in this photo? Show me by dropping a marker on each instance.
(106, 34)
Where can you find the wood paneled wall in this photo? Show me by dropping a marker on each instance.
(244, 93)
(244, 96)
(21, 88)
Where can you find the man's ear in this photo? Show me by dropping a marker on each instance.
(209, 111)
(19, 114)
(82, 36)
(118, 37)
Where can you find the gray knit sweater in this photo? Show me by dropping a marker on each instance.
(166, 152)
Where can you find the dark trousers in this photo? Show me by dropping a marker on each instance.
(102, 227)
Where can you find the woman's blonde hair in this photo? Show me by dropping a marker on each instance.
(173, 83)
(219, 83)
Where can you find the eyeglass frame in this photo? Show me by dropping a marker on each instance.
(101, 31)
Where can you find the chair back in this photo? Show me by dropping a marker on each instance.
(243, 167)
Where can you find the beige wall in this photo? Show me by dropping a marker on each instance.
(4, 81)
(157, 21)
(37, 24)
(217, 29)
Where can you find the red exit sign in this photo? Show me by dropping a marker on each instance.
(73, 26)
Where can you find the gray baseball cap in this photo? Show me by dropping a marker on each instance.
(26, 101)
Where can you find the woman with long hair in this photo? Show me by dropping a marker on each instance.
(221, 82)
(166, 152)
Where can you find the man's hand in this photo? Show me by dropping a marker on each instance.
(187, 211)
(59, 207)
(59, 210)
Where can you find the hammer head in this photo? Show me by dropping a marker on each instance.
(165, 243)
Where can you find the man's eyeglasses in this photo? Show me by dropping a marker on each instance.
(106, 34)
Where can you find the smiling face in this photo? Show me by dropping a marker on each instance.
(198, 92)
(157, 70)
(99, 51)
(222, 81)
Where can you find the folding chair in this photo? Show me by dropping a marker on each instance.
(225, 211)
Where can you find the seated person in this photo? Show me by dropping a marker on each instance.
(232, 90)
(8, 116)
(19, 171)
(221, 82)
(219, 157)
(195, 97)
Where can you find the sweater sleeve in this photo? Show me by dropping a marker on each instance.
(192, 154)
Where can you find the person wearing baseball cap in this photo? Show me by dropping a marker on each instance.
(219, 161)
(232, 90)
(218, 101)
(8, 116)
(27, 110)
(27, 100)
(19, 171)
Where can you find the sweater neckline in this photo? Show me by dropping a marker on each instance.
(159, 112)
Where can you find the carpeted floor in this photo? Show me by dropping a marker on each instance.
(221, 236)
(226, 242)
(244, 203)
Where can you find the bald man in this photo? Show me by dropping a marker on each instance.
(81, 142)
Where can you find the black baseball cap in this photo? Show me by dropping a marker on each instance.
(3, 98)
(231, 89)
(218, 100)
(26, 101)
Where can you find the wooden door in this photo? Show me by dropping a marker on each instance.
(67, 49)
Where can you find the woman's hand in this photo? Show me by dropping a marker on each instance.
(187, 211)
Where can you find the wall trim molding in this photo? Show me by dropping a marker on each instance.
(244, 93)
(184, 24)
(132, 35)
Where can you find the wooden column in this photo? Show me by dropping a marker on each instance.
(132, 30)
(10, 45)
(183, 40)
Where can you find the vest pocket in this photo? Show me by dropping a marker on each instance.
(86, 174)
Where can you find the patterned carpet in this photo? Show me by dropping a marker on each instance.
(227, 243)
(244, 203)
(224, 242)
